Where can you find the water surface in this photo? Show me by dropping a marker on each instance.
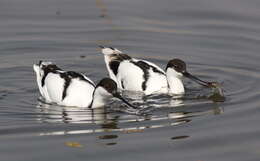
(219, 40)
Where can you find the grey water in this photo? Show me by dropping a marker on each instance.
(219, 40)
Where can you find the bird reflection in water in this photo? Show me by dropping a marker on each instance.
(52, 113)
(169, 112)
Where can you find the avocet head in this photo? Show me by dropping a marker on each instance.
(108, 88)
(177, 68)
(109, 50)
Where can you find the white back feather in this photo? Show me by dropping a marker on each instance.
(54, 85)
(79, 93)
(131, 76)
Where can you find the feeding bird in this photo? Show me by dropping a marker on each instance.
(69, 88)
(141, 75)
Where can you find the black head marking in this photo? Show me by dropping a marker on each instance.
(111, 87)
(177, 64)
(102, 47)
(108, 84)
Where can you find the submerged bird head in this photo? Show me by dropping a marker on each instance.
(177, 68)
(109, 50)
(107, 88)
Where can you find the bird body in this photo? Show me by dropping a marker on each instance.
(141, 75)
(69, 88)
(134, 74)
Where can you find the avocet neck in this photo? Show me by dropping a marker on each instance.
(100, 97)
(175, 82)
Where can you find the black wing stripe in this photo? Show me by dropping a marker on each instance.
(68, 76)
(145, 67)
(52, 68)
(114, 66)
(116, 59)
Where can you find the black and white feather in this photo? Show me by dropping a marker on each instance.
(141, 75)
(70, 88)
(66, 88)
(134, 74)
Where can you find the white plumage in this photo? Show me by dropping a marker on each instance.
(141, 75)
(134, 74)
(70, 88)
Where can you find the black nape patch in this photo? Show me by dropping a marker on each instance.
(108, 84)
